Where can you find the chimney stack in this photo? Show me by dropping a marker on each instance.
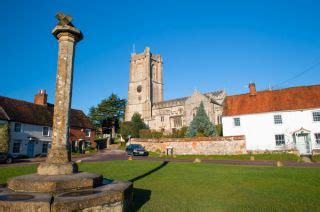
(41, 97)
(252, 89)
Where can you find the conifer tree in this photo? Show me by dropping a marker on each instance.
(201, 124)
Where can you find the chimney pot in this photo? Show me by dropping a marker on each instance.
(252, 89)
(41, 97)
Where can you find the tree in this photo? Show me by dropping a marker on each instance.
(136, 118)
(201, 125)
(128, 128)
(133, 127)
(108, 112)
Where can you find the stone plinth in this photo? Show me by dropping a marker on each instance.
(54, 183)
(15, 201)
(116, 196)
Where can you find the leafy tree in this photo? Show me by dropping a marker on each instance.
(133, 127)
(201, 125)
(136, 118)
(129, 128)
(108, 113)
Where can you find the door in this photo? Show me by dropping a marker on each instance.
(303, 143)
(30, 150)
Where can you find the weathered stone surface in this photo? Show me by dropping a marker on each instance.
(112, 197)
(26, 202)
(55, 183)
(145, 96)
(58, 159)
(83, 191)
(57, 169)
(196, 146)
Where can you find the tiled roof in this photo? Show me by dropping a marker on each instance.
(3, 115)
(294, 98)
(26, 112)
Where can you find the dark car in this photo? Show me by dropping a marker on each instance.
(5, 158)
(136, 149)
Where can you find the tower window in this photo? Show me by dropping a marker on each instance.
(139, 88)
(177, 121)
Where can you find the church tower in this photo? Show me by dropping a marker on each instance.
(145, 84)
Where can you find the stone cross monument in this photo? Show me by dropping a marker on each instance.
(58, 186)
(59, 158)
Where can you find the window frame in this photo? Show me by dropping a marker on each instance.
(48, 135)
(14, 128)
(277, 119)
(316, 118)
(85, 133)
(277, 139)
(44, 152)
(13, 147)
(177, 121)
(237, 122)
(317, 138)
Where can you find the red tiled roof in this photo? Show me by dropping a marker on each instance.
(295, 98)
(26, 112)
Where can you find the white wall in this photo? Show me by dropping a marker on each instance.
(3, 122)
(27, 131)
(260, 130)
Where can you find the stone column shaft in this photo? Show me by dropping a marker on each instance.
(59, 159)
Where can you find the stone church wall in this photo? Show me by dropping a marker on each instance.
(231, 145)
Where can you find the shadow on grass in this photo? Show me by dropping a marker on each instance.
(142, 196)
(150, 172)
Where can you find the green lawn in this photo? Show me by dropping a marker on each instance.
(275, 156)
(208, 187)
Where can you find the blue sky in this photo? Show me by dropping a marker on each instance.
(208, 45)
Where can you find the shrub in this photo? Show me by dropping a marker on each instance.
(101, 143)
(219, 130)
(201, 125)
(150, 134)
(129, 128)
(137, 120)
(177, 133)
(4, 138)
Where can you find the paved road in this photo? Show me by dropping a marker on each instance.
(108, 155)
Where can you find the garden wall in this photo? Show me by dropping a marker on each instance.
(229, 145)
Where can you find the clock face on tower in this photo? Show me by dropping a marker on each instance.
(139, 88)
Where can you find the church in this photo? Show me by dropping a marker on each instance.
(145, 96)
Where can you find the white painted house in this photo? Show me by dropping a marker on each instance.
(286, 119)
(30, 125)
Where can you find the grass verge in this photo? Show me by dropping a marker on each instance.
(270, 156)
(208, 187)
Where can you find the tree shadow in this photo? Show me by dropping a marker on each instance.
(142, 196)
(150, 172)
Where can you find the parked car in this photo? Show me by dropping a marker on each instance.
(136, 149)
(5, 157)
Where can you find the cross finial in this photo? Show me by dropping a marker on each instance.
(64, 19)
